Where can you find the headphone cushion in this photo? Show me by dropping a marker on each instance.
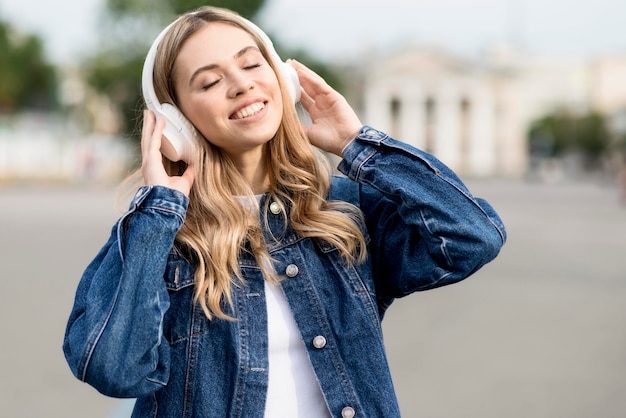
(180, 133)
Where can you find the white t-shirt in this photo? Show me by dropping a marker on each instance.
(293, 390)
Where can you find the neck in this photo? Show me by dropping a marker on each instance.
(253, 168)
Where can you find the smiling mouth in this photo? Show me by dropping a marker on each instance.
(248, 111)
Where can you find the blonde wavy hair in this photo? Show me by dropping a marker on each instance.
(218, 227)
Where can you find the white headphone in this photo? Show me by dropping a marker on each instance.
(180, 134)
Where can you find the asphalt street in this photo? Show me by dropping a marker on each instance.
(540, 332)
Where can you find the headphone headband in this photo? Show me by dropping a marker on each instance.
(147, 81)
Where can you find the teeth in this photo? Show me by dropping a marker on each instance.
(249, 111)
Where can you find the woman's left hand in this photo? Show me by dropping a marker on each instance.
(334, 122)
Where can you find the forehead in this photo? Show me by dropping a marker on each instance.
(212, 44)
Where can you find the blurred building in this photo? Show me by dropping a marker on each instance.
(45, 147)
(608, 90)
(475, 114)
(78, 144)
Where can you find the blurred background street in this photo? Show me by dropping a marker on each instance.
(538, 333)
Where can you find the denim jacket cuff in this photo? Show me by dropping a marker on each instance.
(154, 197)
(160, 197)
(360, 149)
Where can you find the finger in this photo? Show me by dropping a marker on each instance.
(310, 80)
(151, 134)
(303, 69)
(189, 175)
(157, 135)
(147, 129)
(152, 159)
(307, 101)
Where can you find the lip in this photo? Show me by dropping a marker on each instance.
(245, 105)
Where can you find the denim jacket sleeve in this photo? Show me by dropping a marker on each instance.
(113, 339)
(426, 229)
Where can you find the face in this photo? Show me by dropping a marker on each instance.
(227, 89)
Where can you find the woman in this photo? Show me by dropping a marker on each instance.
(250, 282)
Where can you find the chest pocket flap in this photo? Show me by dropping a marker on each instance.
(178, 272)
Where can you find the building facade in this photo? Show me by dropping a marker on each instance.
(475, 114)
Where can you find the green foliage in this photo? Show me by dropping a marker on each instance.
(560, 133)
(246, 8)
(120, 80)
(123, 7)
(26, 79)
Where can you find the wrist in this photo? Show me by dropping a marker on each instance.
(348, 140)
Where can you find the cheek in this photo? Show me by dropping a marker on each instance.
(270, 80)
(203, 113)
(278, 97)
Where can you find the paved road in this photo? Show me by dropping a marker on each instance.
(540, 332)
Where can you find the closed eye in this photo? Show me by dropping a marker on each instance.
(208, 86)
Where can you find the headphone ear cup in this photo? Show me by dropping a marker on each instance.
(293, 82)
(180, 135)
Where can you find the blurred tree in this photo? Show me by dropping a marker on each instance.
(247, 8)
(129, 28)
(27, 81)
(560, 133)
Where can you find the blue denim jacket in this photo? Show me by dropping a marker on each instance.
(135, 331)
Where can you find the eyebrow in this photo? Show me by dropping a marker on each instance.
(214, 66)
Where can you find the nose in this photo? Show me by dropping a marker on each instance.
(240, 83)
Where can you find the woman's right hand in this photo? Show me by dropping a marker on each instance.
(152, 168)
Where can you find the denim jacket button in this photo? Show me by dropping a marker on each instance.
(348, 412)
(292, 270)
(275, 208)
(319, 341)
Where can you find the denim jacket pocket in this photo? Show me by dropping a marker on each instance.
(185, 317)
(360, 284)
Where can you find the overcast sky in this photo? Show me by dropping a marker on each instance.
(347, 28)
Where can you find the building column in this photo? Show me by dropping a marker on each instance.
(481, 158)
(412, 116)
(377, 112)
(447, 135)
